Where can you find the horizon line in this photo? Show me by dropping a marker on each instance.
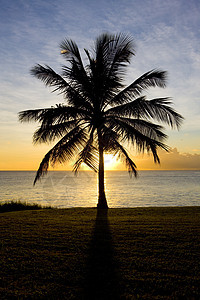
(124, 170)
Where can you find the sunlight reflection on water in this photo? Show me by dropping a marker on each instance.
(63, 189)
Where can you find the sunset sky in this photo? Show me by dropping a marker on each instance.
(166, 35)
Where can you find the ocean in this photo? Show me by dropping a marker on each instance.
(63, 189)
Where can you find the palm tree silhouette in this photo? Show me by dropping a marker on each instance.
(99, 113)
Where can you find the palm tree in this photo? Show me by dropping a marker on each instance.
(99, 113)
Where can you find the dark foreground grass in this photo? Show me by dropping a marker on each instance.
(141, 253)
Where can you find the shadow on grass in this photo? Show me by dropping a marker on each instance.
(102, 278)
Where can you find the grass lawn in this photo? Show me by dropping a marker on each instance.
(138, 253)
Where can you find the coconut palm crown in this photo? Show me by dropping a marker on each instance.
(99, 113)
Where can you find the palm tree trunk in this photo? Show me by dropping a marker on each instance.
(102, 203)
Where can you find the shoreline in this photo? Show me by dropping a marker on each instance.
(35, 206)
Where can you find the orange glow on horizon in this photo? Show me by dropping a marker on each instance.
(28, 158)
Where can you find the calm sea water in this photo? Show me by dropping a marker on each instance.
(63, 189)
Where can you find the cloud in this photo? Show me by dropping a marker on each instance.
(174, 160)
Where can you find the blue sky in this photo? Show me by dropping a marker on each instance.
(166, 34)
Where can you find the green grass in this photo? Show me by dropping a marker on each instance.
(16, 206)
(141, 253)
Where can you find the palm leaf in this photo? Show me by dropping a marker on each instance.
(75, 72)
(70, 51)
(129, 109)
(121, 51)
(158, 109)
(89, 156)
(114, 51)
(57, 114)
(149, 129)
(123, 155)
(43, 168)
(64, 150)
(49, 77)
(112, 54)
(31, 115)
(111, 145)
(137, 137)
(161, 110)
(48, 133)
(152, 78)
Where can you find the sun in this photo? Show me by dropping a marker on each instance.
(110, 162)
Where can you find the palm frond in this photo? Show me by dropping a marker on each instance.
(70, 51)
(69, 145)
(111, 55)
(130, 109)
(48, 133)
(55, 114)
(89, 156)
(49, 77)
(31, 115)
(161, 110)
(114, 51)
(71, 92)
(110, 140)
(152, 78)
(43, 168)
(149, 129)
(121, 50)
(158, 109)
(137, 137)
(76, 72)
(64, 150)
(123, 155)
(80, 84)
(109, 136)
(153, 147)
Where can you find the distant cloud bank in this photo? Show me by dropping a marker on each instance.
(173, 160)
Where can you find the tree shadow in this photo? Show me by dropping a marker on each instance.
(102, 274)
